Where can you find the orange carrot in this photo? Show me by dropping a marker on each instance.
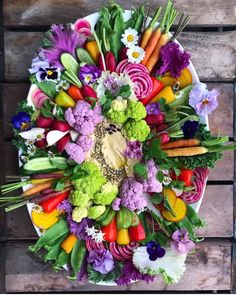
(69, 243)
(37, 188)
(180, 143)
(153, 41)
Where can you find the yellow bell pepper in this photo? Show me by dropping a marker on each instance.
(45, 220)
(166, 93)
(92, 48)
(68, 243)
(122, 237)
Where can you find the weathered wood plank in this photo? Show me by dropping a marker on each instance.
(213, 54)
(27, 13)
(217, 211)
(2, 268)
(207, 269)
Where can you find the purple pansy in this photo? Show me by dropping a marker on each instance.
(202, 100)
(89, 74)
(155, 250)
(48, 74)
(190, 128)
(133, 150)
(21, 121)
(153, 108)
(180, 241)
(101, 260)
(39, 62)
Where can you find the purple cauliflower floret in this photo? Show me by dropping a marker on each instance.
(131, 194)
(75, 152)
(84, 142)
(151, 185)
(116, 204)
(82, 118)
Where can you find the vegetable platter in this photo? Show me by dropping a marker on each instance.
(114, 147)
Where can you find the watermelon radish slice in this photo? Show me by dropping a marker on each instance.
(142, 84)
(82, 23)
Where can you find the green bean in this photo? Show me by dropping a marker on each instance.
(77, 257)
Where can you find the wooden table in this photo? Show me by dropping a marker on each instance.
(211, 40)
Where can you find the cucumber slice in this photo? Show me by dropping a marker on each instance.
(69, 63)
(84, 56)
(39, 165)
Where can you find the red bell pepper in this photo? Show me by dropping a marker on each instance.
(110, 231)
(185, 176)
(137, 233)
(52, 203)
(157, 87)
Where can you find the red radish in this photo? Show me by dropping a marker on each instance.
(85, 31)
(82, 23)
(161, 127)
(121, 66)
(153, 120)
(62, 143)
(60, 125)
(123, 53)
(164, 137)
(142, 84)
(134, 69)
(88, 92)
(75, 92)
(110, 61)
(101, 62)
(43, 122)
(42, 143)
(38, 98)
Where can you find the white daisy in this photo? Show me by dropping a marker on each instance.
(24, 159)
(62, 85)
(130, 37)
(37, 208)
(31, 149)
(135, 54)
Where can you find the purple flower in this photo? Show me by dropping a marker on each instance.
(48, 74)
(180, 241)
(173, 59)
(133, 150)
(153, 108)
(21, 121)
(39, 62)
(62, 40)
(116, 204)
(202, 100)
(89, 74)
(78, 228)
(190, 128)
(102, 260)
(75, 152)
(151, 184)
(85, 142)
(155, 251)
(131, 273)
(65, 206)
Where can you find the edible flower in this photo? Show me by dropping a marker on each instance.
(62, 85)
(173, 59)
(154, 250)
(153, 108)
(95, 234)
(21, 121)
(135, 54)
(101, 260)
(89, 74)
(133, 150)
(130, 37)
(180, 241)
(202, 100)
(48, 74)
(190, 128)
(39, 62)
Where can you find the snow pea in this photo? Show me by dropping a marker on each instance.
(185, 223)
(193, 217)
(77, 257)
(118, 29)
(62, 259)
(55, 249)
(56, 231)
(139, 21)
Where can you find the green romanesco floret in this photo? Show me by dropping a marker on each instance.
(79, 213)
(79, 198)
(136, 130)
(136, 110)
(106, 195)
(95, 211)
(90, 184)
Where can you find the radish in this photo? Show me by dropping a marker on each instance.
(161, 127)
(153, 120)
(60, 125)
(62, 143)
(101, 61)
(86, 32)
(74, 135)
(110, 61)
(88, 92)
(38, 98)
(42, 143)
(43, 122)
(123, 53)
(54, 136)
(142, 84)
(82, 23)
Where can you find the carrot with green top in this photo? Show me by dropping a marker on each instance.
(186, 152)
(148, 32)
(180, 143)
(37, 188)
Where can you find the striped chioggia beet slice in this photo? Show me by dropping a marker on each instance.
(92, 245)
(142, 84)
(121, 66)
(122, 252)
(134, 69)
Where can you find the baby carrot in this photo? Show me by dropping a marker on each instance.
(37, 188)
(186, 152)
(180, 143)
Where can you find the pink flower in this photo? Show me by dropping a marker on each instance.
(180, 241)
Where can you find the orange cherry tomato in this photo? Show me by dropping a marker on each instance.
(75, 92)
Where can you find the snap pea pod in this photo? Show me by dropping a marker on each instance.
(62, 259)
(193, 217)
(130, 23)
(55, 249)
(185, 223)
(77, 257)
(139, 21)
(56, 231)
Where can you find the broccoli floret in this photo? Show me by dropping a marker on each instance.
(91, 183)
(107, 194)
(95, 211)
(78, 198)
(136, 130)
(136, 110)
(79, 213)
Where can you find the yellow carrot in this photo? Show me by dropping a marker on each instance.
(69, 243)
(38, 180)
(186, 152)
(180, 144)
(37, 188)
(92, 48)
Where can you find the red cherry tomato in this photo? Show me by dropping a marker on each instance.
(75, 92)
